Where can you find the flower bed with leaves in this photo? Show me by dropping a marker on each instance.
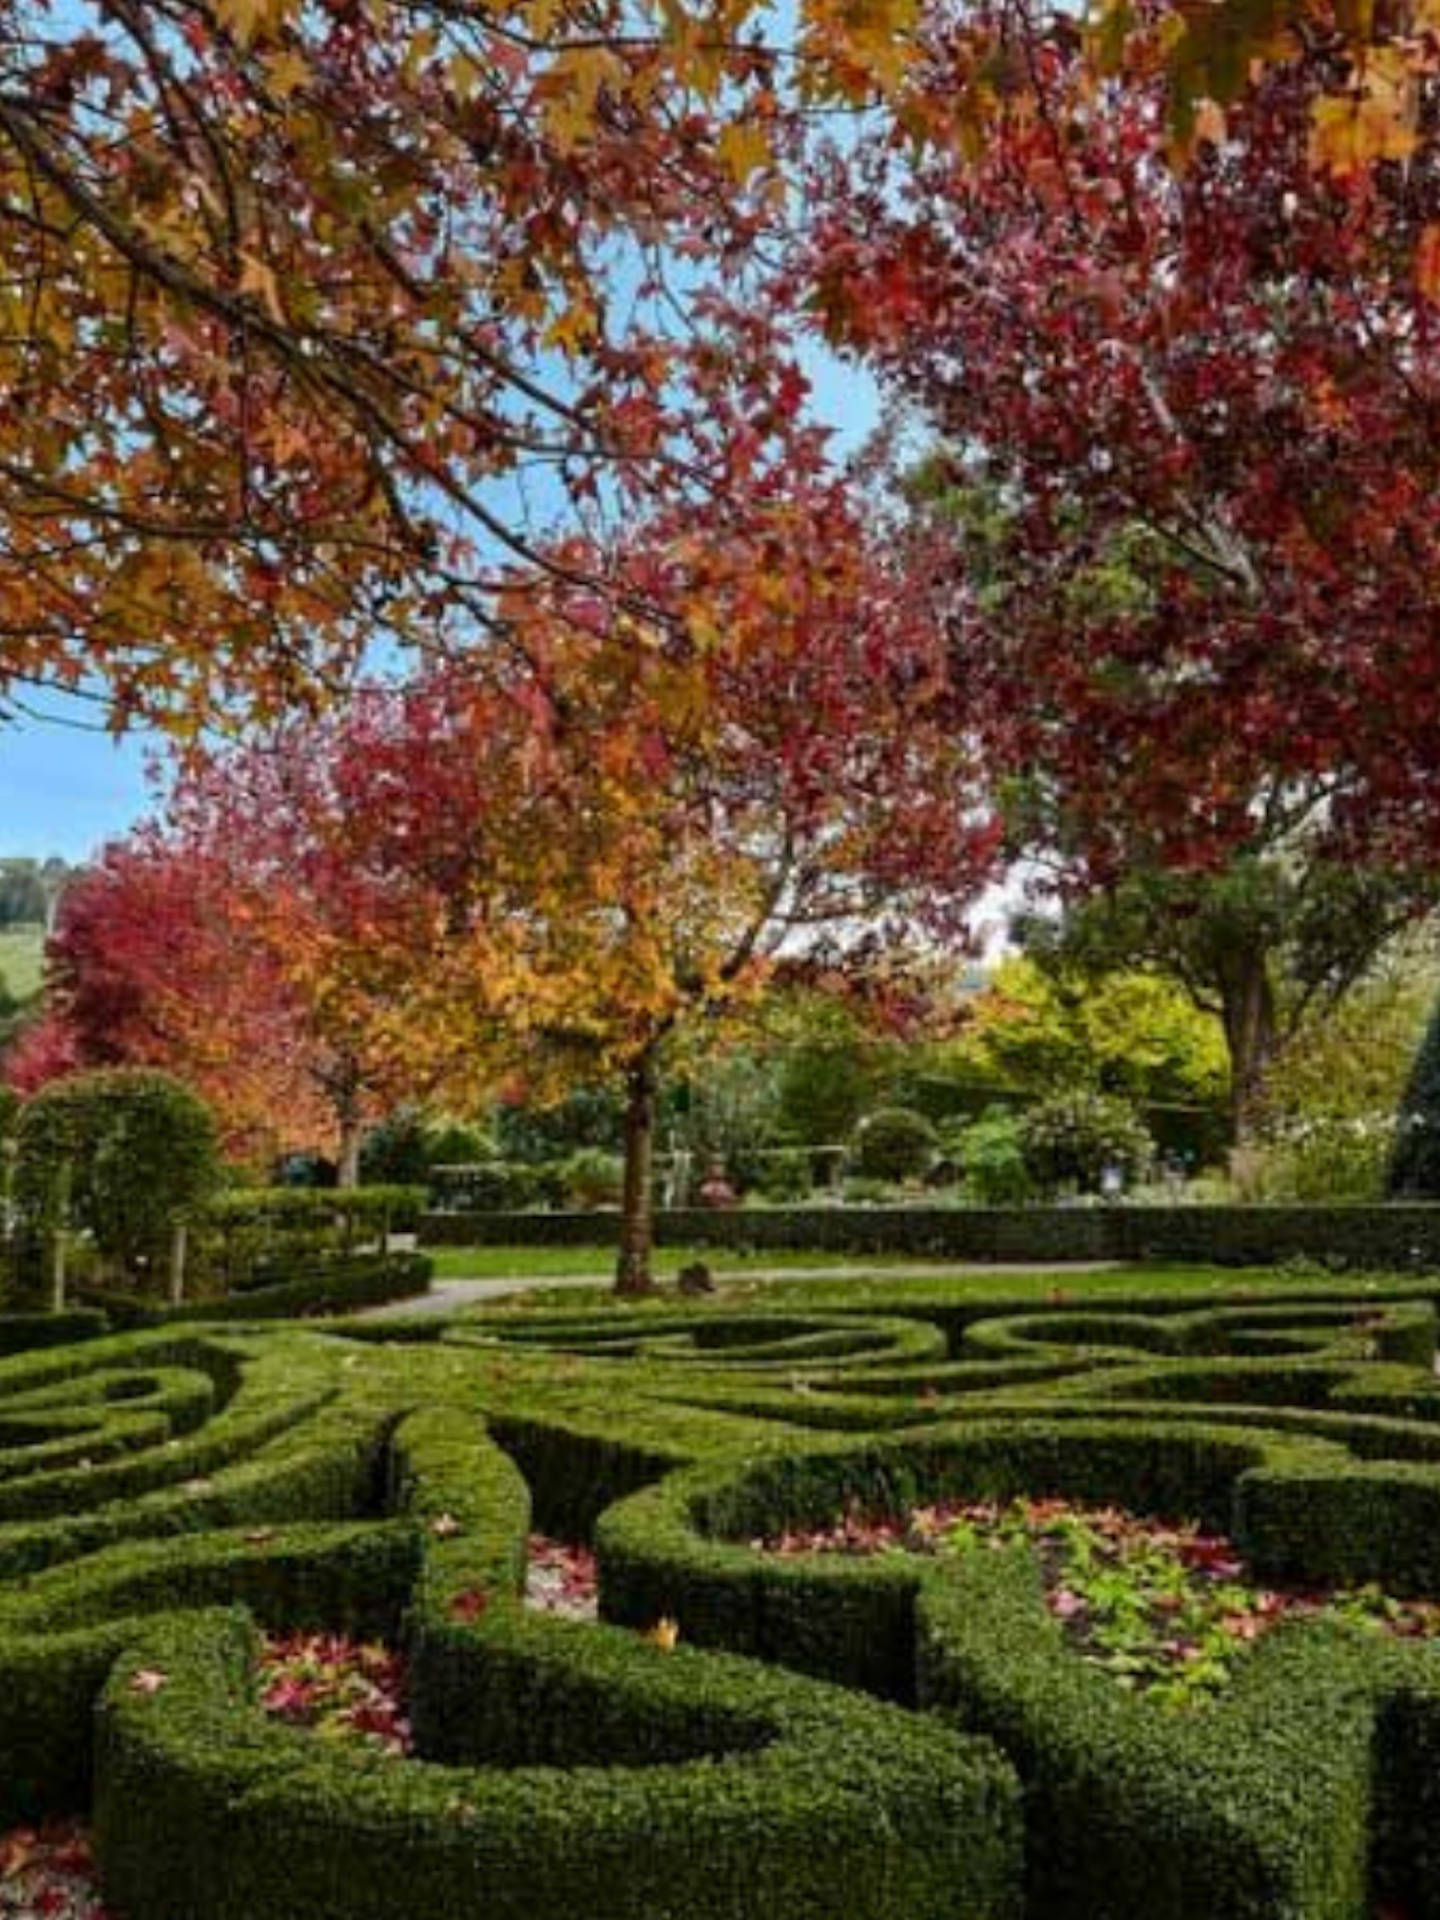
(1167, 1610)
(344, 1580)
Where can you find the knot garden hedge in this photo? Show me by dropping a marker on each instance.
(892, 1737)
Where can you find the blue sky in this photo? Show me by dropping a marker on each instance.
(65, 788)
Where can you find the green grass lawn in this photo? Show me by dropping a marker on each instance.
(22, 954)
(735, 1274)
(494, 1263)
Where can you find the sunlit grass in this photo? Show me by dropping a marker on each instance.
(22, 953)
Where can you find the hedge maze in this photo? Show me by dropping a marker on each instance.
(890, 1736)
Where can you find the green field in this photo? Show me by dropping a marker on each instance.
(22, 954)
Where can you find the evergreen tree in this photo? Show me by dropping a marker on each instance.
(1415, 1162)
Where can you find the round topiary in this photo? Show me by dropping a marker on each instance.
(1076, 1139)
(1414, 1172)
(894, 1143)
(124, 1154)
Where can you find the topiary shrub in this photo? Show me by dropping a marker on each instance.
(124, 1154)
(1072, 1139)
(1414, 1172)
(894, 1143)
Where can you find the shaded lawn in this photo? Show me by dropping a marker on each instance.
(829, 1276)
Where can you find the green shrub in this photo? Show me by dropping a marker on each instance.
(592, 1177)
(1326, 1158)
(783, 1173)
(124, 1154)
(1073, 1139)
(992, 1159)
(747, 1793)
(893, 1143)
(580, 1770)
(397, 1152)
(383, 1477)
(502, 1185)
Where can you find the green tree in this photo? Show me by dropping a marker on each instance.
(830, 1067)
(1414, 1171)
(1263, 945)
(1035, 1030)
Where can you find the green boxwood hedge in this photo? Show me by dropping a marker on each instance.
(745, 1793)
(382, 1477)
(1397, 1236)
(340, 1286)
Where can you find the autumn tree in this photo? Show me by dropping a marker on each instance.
(1205, 401)
(562, 866)
(294, 294)
(1184, 500)
(300, 301)
(153, 962)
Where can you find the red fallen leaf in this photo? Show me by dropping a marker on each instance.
(1065, 1605)
(148, 1680)
(469, 1605)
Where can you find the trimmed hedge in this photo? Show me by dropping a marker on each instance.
(60, 1638)
(383, 1478)
(1266, 1804)
(342, 1287)
(1256, 1808)
(1395, 1236)
(24, 1332)
(250, 1232)
(809, 1802)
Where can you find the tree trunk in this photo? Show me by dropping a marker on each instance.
(345, 1093)
(179, 1246)
(348, 1166)
(1251, 1038)
(637, 1220)
(60, 1244)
